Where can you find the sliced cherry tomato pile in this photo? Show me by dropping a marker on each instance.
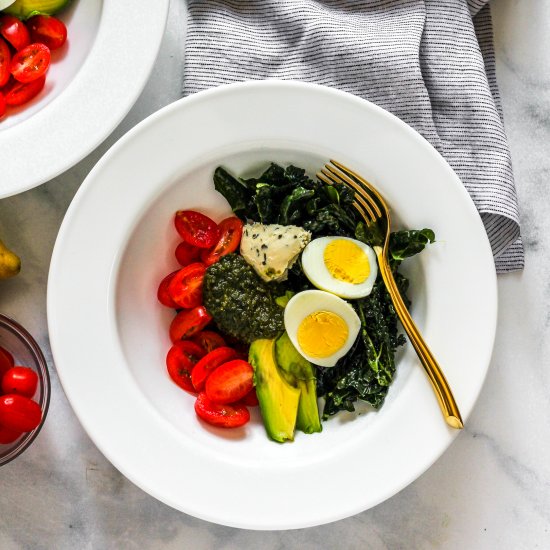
(199, 360)
(25, 48)
(18, 412)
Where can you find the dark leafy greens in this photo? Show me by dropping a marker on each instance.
(287, 196)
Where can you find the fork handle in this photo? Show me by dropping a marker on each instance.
(433, 370)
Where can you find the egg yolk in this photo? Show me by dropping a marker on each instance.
(346, 261)
(322, 333)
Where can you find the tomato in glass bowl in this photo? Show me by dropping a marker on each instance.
(19, 347)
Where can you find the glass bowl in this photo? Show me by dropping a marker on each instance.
(15, 339)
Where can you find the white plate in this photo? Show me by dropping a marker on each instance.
(92, 83)
(109, 335)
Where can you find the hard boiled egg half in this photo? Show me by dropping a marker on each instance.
(346, 267)
(321, 326)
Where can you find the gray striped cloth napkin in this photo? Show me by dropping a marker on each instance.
(429, 62)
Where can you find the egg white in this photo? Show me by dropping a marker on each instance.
(309, 301)
(313, 264)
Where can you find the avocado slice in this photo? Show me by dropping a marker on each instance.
(299, 372)
(27, 8)
(278, 399)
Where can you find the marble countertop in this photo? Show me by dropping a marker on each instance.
(491, 489)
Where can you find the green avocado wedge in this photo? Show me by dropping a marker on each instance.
(278, 399)
(27, 8)
(299, 372)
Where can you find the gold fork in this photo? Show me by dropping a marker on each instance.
(374, 210)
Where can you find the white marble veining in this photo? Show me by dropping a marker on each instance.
(491, 489)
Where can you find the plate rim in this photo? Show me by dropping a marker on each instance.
(141, 127)
(70, 105)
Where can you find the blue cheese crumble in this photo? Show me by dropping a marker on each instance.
(272, 249)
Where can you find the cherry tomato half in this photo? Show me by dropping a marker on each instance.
(185, 287)
(30, 63)
(20, 380)
(19, 413)
(250, 399)
(230, 382)
(231, 230)
(6, 361)
(186, 253)
(8, 436)
(5, 62)
(210, 362)
(47, 30)
(196, 228)
(222, 416)
(180, 360)
(188, 322)
(21, 93)
(162, 293)
(14, 31)
(209, 340)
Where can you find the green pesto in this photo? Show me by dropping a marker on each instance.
(242, 304)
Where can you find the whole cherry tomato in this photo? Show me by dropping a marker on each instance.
(162, 293)
(47, 30)
(5, 62)
(8, 436)
(209, 340)
(196, 228)
(2, 105)
(187, 254)
(30, 63)
(20, 380)
(209, 363)
(19, 413)
(21, 93)
(188, 322)
(222, 416)
(14, 31)
(6, 361)
(231, 230)
(230, 382)
(180, 360)
(185, 287)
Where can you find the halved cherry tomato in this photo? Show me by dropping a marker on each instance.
(19, 413)
(250, 399)
(187, 254)
(20, 380)
(21, 93)
(196, 228)
(15, 32)
(210, 362)
(209, 340)
(180, 360)
(188, 322)
(30, 63)
(5, 62)
(162, 293)
(6, 361)
(47, 30)
(231, 230)
(185, 287)
(223, 416)
(230, 382)
(8, 436)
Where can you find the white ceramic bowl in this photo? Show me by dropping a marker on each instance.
(117, 242)
(90, 86)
